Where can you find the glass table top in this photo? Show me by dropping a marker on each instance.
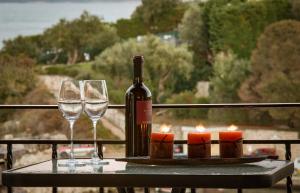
(117, 167)
(122, 174)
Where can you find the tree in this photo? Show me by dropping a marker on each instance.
(16, 77)
(296, 9)
(159, 15)
(236, 24)
(25, 45)
(188, 97)
(228, 74)
(85, 34)
(275, 75)
(193, 30)
(129, 28)
(162, 60)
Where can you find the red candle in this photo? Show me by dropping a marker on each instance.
(230, 135)
(161, 145)
(199, 145)
(231, 143)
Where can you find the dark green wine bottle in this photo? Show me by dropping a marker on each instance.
(138, 113)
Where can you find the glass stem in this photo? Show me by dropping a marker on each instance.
(71, 138)
(95, 138)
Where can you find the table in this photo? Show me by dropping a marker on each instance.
(261, 174)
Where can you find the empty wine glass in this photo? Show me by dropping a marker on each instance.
(70, 104)
(95, 105)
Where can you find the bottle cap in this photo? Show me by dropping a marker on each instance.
(139, 59)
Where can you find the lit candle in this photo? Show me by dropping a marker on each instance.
(199, 143)
(231, 143)
(161, 144)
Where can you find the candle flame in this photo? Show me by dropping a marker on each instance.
(165, 128)
(232, 128)
(200, 128)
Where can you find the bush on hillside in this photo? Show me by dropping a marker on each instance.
(275, 65)
(159, 15)
(62, 70)
(296, 9)
(188, 97)
(236, 25)
(17, 77)
(193, 31)
(164, 63)
(228, 74)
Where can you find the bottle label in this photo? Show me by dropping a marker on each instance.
(144, 112)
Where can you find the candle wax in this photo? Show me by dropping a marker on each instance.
(231, 144)
(199, 137)
(165, 137)
(161, 145)
(230, 135)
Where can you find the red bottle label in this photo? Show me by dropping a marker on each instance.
(144, 112)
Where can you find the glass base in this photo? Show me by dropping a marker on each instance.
(70, 163)
(98, 161)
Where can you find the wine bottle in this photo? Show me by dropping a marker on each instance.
(138, 113)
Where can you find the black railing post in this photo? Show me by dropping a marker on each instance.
(9, 162)
(9, 157)
(100, 154)
(54, 158)
(54, 151)
(101, 190)
(100, 150)
(288, 156)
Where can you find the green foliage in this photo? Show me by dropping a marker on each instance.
(275, 75)
(16, 77)
(61, 70)
(228, 74)
(296, 9)
(162, 60)
(129, 28)
(159, 15)
(29, 46)
(16, 80)
(188, 97)
(87, 34)
(236, 25)
(66, 41)
(193, 30)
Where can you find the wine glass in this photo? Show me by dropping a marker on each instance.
(95, 105)
(70, 104)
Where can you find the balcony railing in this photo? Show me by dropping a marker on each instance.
(54, 143)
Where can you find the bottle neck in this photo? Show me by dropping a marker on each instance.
(137, 73)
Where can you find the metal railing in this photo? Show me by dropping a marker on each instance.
(55, 143)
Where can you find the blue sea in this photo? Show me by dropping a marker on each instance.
(34, 17)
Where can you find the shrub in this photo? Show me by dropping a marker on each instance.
(194, 31)
(228, 74)
(188, 97)
(236, 25)
(128, 28)
(296, 9)
(62, 70)
(16, 77)
(275, 75)
(164, 63)
(159, 15)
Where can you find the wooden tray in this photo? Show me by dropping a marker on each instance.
(183, 160)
